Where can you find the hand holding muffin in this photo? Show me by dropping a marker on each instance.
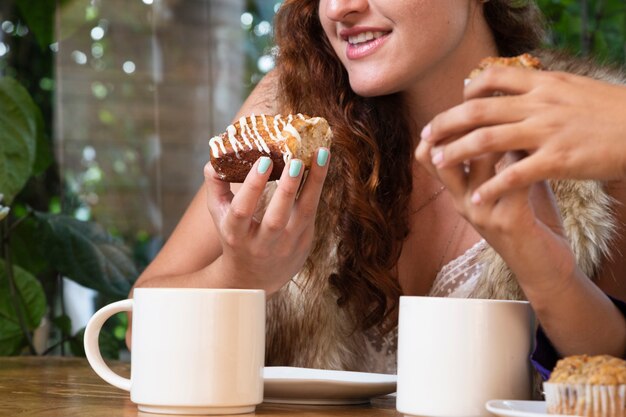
(567, 126)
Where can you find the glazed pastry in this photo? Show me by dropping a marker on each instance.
(279, 137)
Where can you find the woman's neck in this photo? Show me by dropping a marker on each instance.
(442, 87)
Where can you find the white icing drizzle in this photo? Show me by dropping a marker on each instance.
(234, 143)
(289, 128)
(267, 128)
(249, 132)
(243, 124)
(259, 141)
(278, 119)
(214, 142)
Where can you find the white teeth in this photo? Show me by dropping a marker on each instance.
(364, 37)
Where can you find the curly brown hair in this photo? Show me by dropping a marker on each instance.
(370, 182)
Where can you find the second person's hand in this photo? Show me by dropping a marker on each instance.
(266, 253)
(569, 126)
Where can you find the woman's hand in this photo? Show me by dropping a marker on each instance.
(266, 253)
(524, 225)
(568, 126)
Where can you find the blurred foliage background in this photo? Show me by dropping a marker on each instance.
(588, 28)
(46, 211)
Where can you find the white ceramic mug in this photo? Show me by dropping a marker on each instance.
(454, 354)
(194, 351)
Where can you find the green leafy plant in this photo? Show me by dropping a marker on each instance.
(37, 244)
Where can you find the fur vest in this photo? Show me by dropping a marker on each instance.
(306, 328)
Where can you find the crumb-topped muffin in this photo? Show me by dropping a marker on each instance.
(591, 386)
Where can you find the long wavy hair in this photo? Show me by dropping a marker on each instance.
(367, 191)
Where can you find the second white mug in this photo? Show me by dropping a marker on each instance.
(455, 354)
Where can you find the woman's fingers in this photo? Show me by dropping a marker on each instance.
(308, 201)
(474, 114)
(423, 155)
(243, 204)
(219, 194)
(501, 80)
(520, 174)
(482, 169)
(280, 207)
(500, 138)
(452, 177)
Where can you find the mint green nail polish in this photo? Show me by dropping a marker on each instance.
(295, 166)
(322, 157)
(264, 164)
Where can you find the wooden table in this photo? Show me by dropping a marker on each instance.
(67, 387)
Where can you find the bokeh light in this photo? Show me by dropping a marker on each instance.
(246, 20)
(79, 57)
(262, 29)
(8, 26)
(97, 33)
(128, 67)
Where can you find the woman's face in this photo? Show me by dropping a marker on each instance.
(390, 45)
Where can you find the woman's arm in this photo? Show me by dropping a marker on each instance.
(185, 259)
(218, 243)
(524, 226)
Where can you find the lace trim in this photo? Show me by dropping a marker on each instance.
(459, 272)
(456, 279)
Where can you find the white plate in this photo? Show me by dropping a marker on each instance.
(514, 408)
(292, 385)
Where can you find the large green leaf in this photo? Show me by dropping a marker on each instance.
(32, 300)
(26, 250)
(43, 150)
(18, 137)
(39, 16)
(84, 252)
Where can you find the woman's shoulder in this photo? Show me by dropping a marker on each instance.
(264, 97)
(556, 60)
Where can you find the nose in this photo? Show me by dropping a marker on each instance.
(338, 10)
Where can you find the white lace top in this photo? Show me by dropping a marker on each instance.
(456, 279)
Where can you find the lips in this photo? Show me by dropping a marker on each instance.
(363, 41)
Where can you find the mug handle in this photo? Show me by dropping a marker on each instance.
(92, 350)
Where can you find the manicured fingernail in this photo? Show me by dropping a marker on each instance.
(437, 157)
(322, 157)
(264, 164)
(476, 198)
(467, 81)
(295, 166)
(426, 132)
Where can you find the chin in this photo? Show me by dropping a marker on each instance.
(370, 89)
(372, 84)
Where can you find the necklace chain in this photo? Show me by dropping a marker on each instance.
(447, 248)
(430, 200)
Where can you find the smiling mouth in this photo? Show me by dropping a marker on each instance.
(364, 37)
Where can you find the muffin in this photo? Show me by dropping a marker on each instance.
(521, 61)
(590, 386)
